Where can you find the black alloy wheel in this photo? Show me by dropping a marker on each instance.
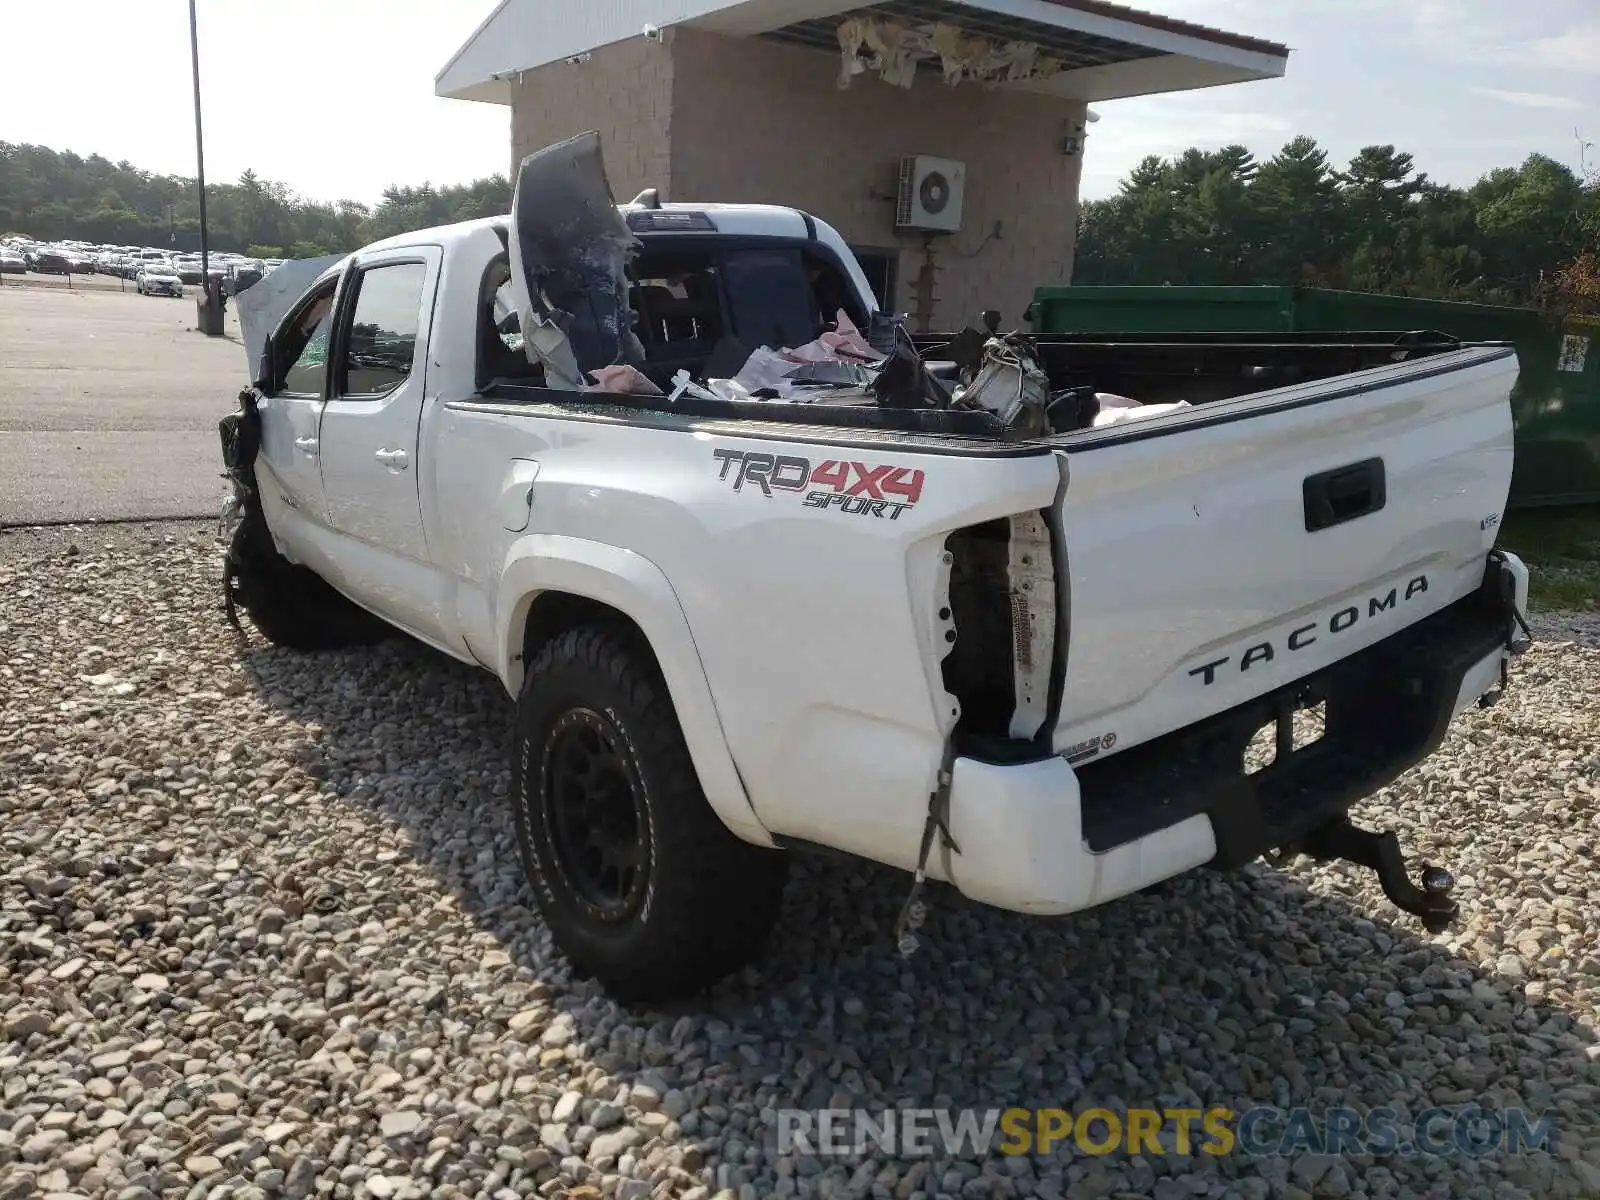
(598, 825)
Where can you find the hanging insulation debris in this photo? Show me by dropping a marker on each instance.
(894, 49)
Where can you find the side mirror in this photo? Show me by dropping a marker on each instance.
(263, 371)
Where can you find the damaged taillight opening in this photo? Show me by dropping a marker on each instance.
(1003, 607)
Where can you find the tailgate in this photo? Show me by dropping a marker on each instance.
(1218, 555)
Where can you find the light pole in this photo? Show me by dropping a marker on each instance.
(210, 309)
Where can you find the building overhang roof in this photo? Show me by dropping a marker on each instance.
(1106, 51)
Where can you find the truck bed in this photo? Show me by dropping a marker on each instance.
(1202, 369)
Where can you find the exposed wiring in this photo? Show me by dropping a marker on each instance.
(994, 236)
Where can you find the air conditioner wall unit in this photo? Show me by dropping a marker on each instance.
(931, 194)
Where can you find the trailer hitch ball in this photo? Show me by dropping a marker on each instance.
(1431, 901)
(1438, 909)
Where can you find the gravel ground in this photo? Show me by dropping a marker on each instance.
(263, 933)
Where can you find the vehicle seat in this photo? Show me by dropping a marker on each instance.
(650, 302)
(702, 307)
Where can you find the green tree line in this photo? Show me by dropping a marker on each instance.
(53, 195)
(1524, 234)
(1520, 235)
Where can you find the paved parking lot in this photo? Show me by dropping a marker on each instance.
(109, 403)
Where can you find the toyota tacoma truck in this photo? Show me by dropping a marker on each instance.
(1048, 660)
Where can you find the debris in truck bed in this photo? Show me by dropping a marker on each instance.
(995, 373)
(765, 368)
(905, 381)
(628, 380)
(1114, 410)
(1010, 384)
(844, 342)
(683, 384)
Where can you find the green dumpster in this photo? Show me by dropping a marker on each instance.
(1556, 403)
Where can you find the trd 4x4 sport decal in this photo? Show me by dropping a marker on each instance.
(860, 489)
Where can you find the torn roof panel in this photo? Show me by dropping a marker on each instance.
(1106, 50)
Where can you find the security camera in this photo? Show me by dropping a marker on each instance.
(652, 33)
(1091, 116)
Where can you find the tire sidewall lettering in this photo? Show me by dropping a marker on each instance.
(550, 887)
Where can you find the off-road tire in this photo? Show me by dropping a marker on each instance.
(708, 900)
(292, 606)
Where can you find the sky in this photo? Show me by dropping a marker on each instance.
(1463, 85)
(352, 111)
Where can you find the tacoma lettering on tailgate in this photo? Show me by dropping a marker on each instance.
(1305, 635)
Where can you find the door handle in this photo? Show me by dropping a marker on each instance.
(307, 444)
(1343, 494)
(396, 460)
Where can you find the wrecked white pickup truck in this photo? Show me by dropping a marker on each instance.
(946, 610)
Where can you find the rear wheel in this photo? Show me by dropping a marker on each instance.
(641, 884)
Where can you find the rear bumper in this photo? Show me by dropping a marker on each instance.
(1044, 838)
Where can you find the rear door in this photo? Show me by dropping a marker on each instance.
(1215, 557)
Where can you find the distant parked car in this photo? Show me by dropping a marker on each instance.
(188, 270)
(52, 262)
(158, 279)
(242, 276)
(12, 263)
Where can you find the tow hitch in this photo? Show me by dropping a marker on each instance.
(1339, 839)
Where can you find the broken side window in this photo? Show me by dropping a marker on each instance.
(303, 347)
(500, 349)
